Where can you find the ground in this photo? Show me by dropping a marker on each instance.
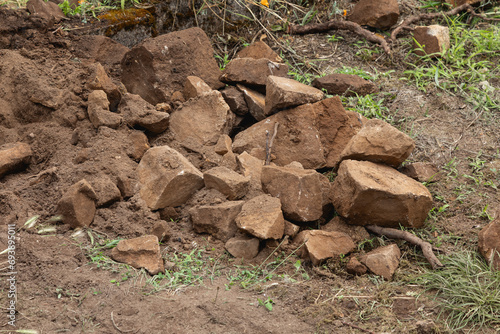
(67, 283)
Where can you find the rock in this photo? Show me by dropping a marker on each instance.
(159, 66)
(226, 181)
(202, 120)
(312, 134)
(422, 172)
(48, 10)
(243, 247)
(251, 167)
(431, 40)
(259, 50)
(77, 205)
(170, 214)
(381, 14)
(162, 231)
(125, 185)
(218, 220)
(98, 110)
(99, 80)
(138, 144)
(282, 93)
(100, 49)
(299, 191)
(143, 252)
(223, 145)
(321, 245)
(354, 267)
(262, 217)
(255, 101)
(194, 87)
(379, 141)
(106, 191)
(167, 178)
(489, 243)
(139, 113)
(14, 156)
(345, 85)
(235, 99)
(291, 229)
(382, 261)
(368, 193)
(249, 71)
(337, 224)
(229, 161)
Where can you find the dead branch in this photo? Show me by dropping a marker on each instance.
(411, 238)
(269, 143)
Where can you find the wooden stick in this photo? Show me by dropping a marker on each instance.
(269, 143)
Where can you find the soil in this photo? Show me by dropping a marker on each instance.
(61, 289)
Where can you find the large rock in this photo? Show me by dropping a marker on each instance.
(143, 252)
(345, 84)
(50, 11)
(202, 120)
(99, 80)
(431, 40)
(159, 66)
(321, 245)
(489, 243)
(141, 114)
(98, 110)
(227, 181)
(77, 206)
(251, 167)
(243, 247)
(14, 156)
(284, 93)
(99, 49)
(262, 217)
(381, 14)
(218, 220)
(312, 134)
(249, 71)
(368, 193)
(382, 261)
(167, 178)
(379, 141)
(259, 50)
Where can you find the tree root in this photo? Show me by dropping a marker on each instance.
(411, 238)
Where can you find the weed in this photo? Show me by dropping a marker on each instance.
(370, 106)
(223, 61)
(268, 303)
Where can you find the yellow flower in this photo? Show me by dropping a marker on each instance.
(345, 12)
(264, 3)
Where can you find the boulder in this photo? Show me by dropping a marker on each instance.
(194, 87)
(162, 231)
(255, 102)
(379, 141)
(143, 252)
(368, 193)
(218, 220)
(249, 71)
(138, 144)
(77, 205)
(345, 85)
(422, 171)
(235, 99)
(489, 243)
(321, 245)
(282, 93)
(337, 224)
(167, 178)
(431, 40)
(262, 217)
(381, 14)
(98, 110)
(243, 247)
(141, 114)
(99, 80)
(258, 50)
(14, 156)
(382, 261)
(226, 181)
(106, 191)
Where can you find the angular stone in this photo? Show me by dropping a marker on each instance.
(291, 229)
(235, 99)
(259, 50)
(312, 134)
(218, 220)
(99, 80)
(77, 205)
(202, 120)
(224, 145)
(251, 167)
(321, 245)
(14, 156)
(229, 161)
(299, 191)
(99, 49)
(379, 141)
(262, 217)
(422, 172)
(345, 84)
(226, 181)
(106, 191)
(243, 247)
(337, 224)
(284, 93)
(381, 14)
(125, 185)
(98, 110)
(255, 101)
(47, 10)
(139, 113)
(138, 144)
(354, 267)
(162, 231)
(159, 66)
(382, 261)
(194, 87)
(431, 40)
(249, 71)
(167, 178)
(489, 243)
(143, 252)
(368, 193)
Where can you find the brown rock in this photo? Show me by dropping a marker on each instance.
(381, 14)
(422, 172)
(255, 101)
(139, 113)
(489, 243)
(100, 49)
(177, 97)
(125, 185)
(218, 220)
(99, 80)
(226, 181)
(138, 144)
(106, 191)
(431, 40)
(223, 145)
(284, 93)
(368, 193)
(259, 50)
(162, 231)
(321, 245)
(13, 156)
(194, 87)
(229, 161)
(251, 167)
(143, 252)
(235, 99)
(243, 247)
(382, 261)
(249, 71)
(337, 224)
(354, 267)
(98, 110)
(47, 10)
(167, 178)
(77, 206)
(262, 217)
(345, 84)
(379, 141)
(291, 229)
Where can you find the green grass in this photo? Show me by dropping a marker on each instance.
(370, 106)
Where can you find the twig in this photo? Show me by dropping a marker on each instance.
(411, 238)
(269, 143)
(357, 327)
(118, 329)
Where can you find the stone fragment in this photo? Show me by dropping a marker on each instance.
(379, 141)
(226, 181)
(14, 156)
(202, 120)
(229, 161)
(249, 71)
(259, 50)
(98, 110)
(235, 99)
(243, 247)
(177, 97)
(48, 10)
(218, 220)
(255, 101)
(299, 191)
(282, 93)
(489, 243)
(100, 49)
(77, 205)
(382, 261)
(159, 66)
(337, 224)
(138, 144)
(99, 80)
(251, 167)
(125, 185)
(262, 217)
(139, 113)
(368, 193)
(143, 252)
(194, 87)
(354, 267)
(321, 245)
(422, 171)
(431, 40)
(381, 14)
(162, 231)
(345, 84)
(291, 229)
(106, 191)
(224, 145)
(167, 178)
